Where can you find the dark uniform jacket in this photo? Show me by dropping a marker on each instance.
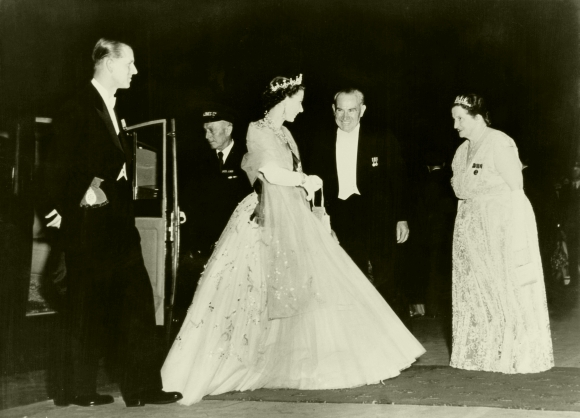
(209, 196)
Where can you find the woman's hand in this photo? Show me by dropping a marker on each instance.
(311, 185)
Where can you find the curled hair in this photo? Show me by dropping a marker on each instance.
(474, 105)
(360, 97)
(271, 97)
(106, 48)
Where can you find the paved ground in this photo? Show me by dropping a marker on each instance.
(565, 323)
(228, 409)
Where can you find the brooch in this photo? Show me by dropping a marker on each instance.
(375, 161)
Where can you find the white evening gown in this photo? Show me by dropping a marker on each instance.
(244, 330)
(500, 323)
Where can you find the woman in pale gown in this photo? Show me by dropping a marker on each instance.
(500, 315)
(280, 304)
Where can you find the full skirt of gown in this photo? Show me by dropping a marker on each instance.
(349, 337)
(499, 325)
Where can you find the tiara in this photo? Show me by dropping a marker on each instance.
(462, 100)
(287, 83)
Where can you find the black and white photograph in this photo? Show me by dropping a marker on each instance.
(314, 208)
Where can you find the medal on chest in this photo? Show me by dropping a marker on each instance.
(477, 168)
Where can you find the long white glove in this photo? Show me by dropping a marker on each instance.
(282, 177)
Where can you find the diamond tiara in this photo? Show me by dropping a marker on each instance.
(462, 100)
(287, 83)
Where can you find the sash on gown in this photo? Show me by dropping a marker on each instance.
(281, 211)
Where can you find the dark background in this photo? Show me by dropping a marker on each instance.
(411, 58)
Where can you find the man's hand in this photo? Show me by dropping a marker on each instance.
(402, 232)
(182, 217)
(56, 221)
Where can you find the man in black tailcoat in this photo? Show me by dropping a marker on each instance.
(364, 185)
(88, 187)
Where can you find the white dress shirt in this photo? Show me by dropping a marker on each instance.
(226, 151)
(346, 156)
(110, 103)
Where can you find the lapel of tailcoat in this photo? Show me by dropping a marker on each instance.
(103, 113)
(363, 163)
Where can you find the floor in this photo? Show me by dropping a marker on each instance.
(565, 324)
(228, 409)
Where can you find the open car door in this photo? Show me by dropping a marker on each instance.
(157, 209)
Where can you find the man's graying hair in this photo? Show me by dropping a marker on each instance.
(360, 97)
(106, 48)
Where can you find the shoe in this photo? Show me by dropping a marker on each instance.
(416, 310)
(91, 400)
(157, 397)
(60, 398)
(60, 401)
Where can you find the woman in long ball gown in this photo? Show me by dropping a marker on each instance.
(280, 304)
(500, 315)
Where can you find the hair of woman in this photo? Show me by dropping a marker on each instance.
(106, 48)
(474, 105)
(280, 88)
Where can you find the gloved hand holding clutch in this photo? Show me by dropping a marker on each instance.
(312, 184)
